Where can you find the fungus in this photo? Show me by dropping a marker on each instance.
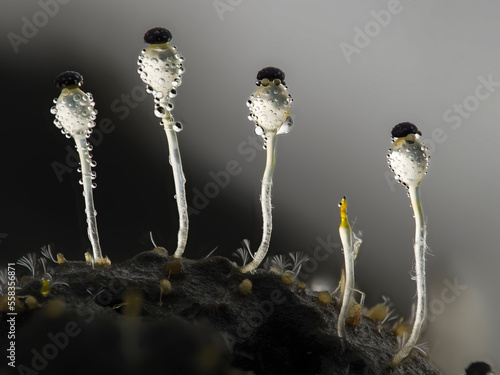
(351, 310)
(325, 298)
(61, 259)
(160, 68)
(269, 109)
(165, 289)
(479, 368)
(45, 289)
(382, 312)
(31, 302)
(75, 115)
(174, 267)
(245, 287)
(408, 159)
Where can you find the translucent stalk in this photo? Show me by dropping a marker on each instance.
(265, 200)
(83, 152)
(419, 249)
(179, 181)
(346, 238)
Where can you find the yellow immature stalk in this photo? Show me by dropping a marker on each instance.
(75, 115)
(346, 238)
(160, 67)
(409, 161)
(269, 109)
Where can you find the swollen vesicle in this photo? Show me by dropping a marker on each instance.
(408, 159)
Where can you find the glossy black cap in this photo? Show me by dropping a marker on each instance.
(403, 129)
(68, 78)
(157, 35)
(478, 368)
(271, 73)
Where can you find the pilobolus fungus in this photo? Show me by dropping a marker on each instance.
(75, 115)
(160, 67)
(408, 159)
(269, 109)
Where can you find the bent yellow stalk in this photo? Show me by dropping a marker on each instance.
(409, 160)
(346, 238)
(269, 109)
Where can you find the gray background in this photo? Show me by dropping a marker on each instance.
(426, 59)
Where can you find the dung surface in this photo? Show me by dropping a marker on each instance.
(110, 320)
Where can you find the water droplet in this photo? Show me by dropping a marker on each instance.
(94, 185)
(80, 181)
(177, 126)
(93, 163)
(170, 107)
(149, 89)
(53, 110)
(90, 147)
(159, 111)
(172, 93)
(93, 175)
(79, 169)
(258, 130)
(54, 101)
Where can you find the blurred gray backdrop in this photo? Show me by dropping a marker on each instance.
(354, 69)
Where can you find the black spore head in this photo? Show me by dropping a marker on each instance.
(478, 368)
(157, 35)
(403, 129)
(68, 78)
(271, 73)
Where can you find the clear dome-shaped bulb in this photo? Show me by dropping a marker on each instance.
(75, 111)
(408, 159)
